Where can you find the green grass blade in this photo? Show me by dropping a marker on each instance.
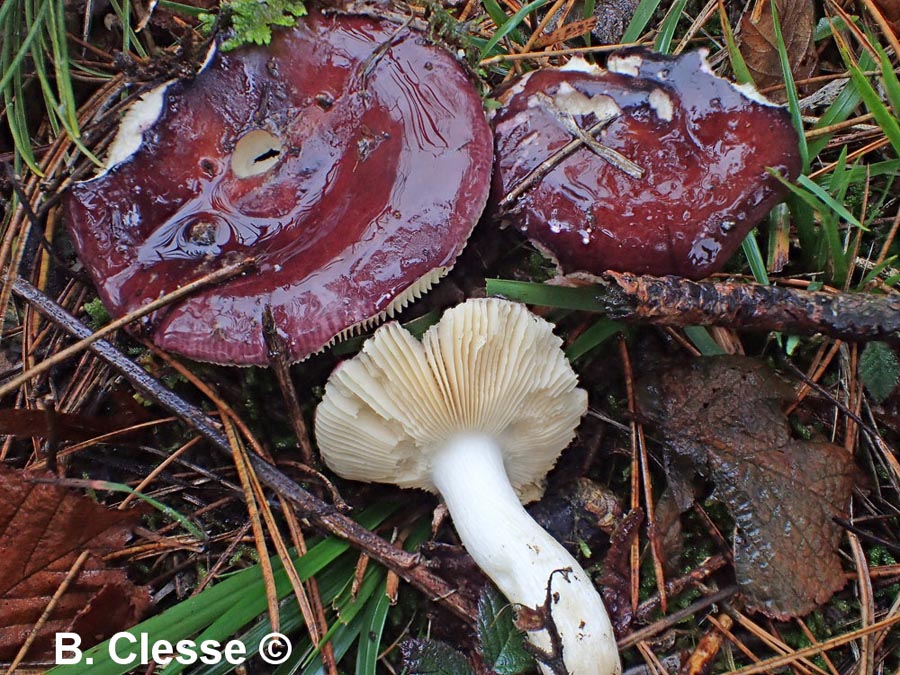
(599, 332)
(889, 80)
(181, 8)
(642, 15)
(168, 511)
(197, 613)
(884, 117)
(738, 65)
(663, 42)
(832, 203)
(510, 24)
(755, 258)
(790, 88)
(532, 293)
(13, 69)
(495, 11)
(56, 29)
(703, 341)
(372, 629)
(841, 109)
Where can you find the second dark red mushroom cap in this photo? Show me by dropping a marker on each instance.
(678, 177)
(350, 157)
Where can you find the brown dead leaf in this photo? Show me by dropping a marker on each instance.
(757, 40)
(724, 414)
(616, 578)
(890, 9)
(43, 529)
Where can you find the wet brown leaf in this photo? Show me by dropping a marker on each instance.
(757, 40)
(724, 414)
(43, 530)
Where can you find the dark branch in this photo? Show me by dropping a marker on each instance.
(673, 301)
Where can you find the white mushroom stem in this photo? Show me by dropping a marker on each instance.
(520, 557)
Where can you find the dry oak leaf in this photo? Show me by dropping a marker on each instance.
(756, 32)
(724, 415)
(43, 530)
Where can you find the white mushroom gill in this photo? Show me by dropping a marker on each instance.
(478, 412)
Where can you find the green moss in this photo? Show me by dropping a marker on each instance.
(251, 21)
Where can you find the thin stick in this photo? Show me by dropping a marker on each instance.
(259, 534)
(770, 665)
(500, 58)
(279, 362)
(675, 617)
(223, 274)
(537, 174)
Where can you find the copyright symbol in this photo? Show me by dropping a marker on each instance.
(274, 648)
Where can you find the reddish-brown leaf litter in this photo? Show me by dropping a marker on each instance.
(43, 531)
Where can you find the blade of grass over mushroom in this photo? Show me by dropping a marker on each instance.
(791, 89)
(509, 25)
(738, 65)
(639, 20)
(663, 42)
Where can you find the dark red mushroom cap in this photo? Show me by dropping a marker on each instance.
(687, 179)
(351, 158)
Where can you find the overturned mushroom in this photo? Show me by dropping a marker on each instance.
(653, 166)
(478, 412)
(350, 158)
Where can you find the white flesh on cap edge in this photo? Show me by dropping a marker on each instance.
(479, 412)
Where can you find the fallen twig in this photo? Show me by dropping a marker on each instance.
(674, 301)
(679, 302)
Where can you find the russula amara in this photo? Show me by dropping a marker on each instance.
(477, 412)
(666, 169)
(350, 158)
